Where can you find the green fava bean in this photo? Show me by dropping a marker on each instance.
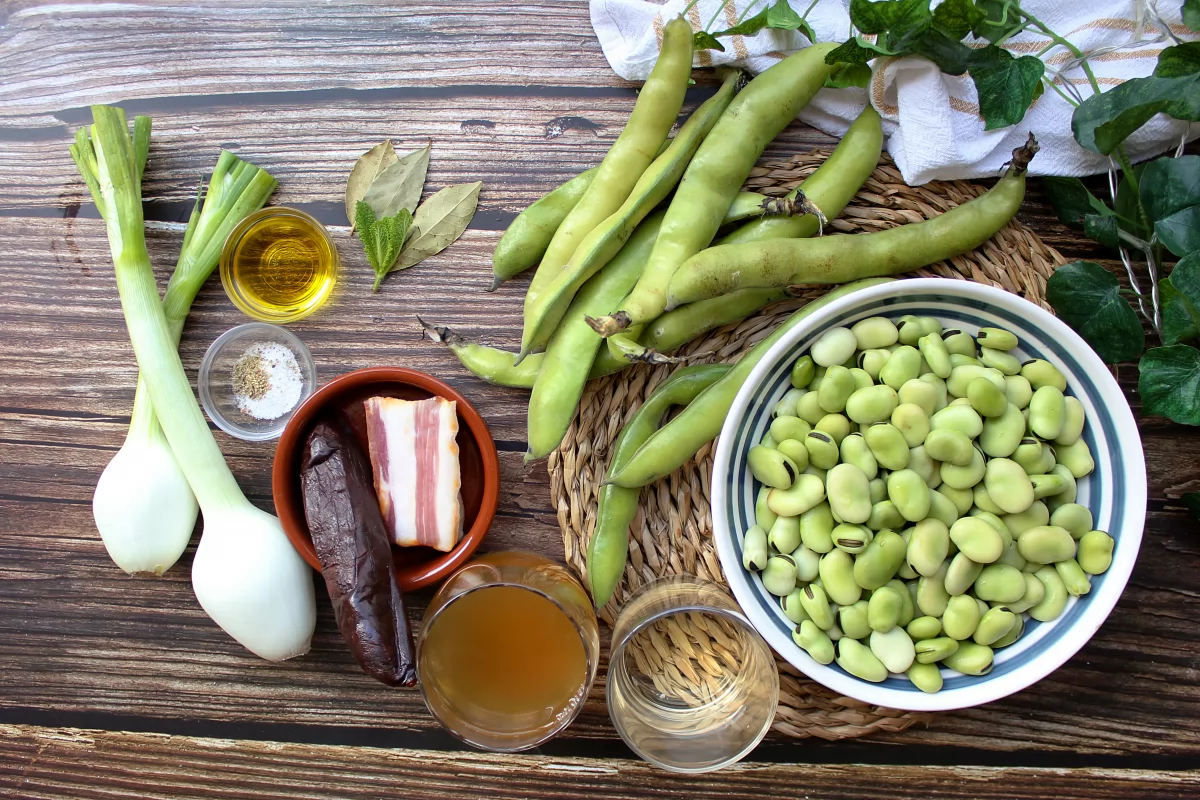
(1047, 412)
(1013, 634)
(816, 604)
(931, 651)
(887, 445)
(822, 450)
(961, 617)
(806, 492)
(771, 468)
(883, 609)
(903, 365)
(894, 648)
(1073, 577)
(786, 407)
(986, 398)
(950, 446)
(885, 515)
(912, 422)
(961, 418)
(920, 462)
(794, 450)
(769, 441)
(1075, 518)
(960, 379)
(960, 574)
(909, 493)
(996, 338)
(965, 478)
(833, 346)
(792, 609)
(853, 620)
(1041, 373)
(924, 628)
(1000, 583)
(962, 498)
(907, 592)
(1055, 595)
(784, 535)
(754, 549)
(1047, 485)
(971, 659)
(849, 492)
(939, 388)
(920, 394)
(1067, 495)
(998, 359)
(874, 332)
(1046, 544)
(1034, 593)
(859, 661)
(959, 360)
(807, 564)
(942, 508)
(779, 575)
(983, 500)
(931, 593)
(808, 408)
(877, 564)
(926, 677)
(816, 528)
(1008, 485)
(1002, 434)
(909, 330)
(764, 517)
(1037, 514)
(1095, 552)
(837, 576)
(958, 342)
(1077, 458)
(803, 371)
(854, 451)
(836, 425)
(872, 361)
(784, 428)
(836, 387)
(852, 538)
(872, 404)
(937, 356)
(862, 379)
(1012, 557)
(996, 523)
(1073, 420)
(878, 490)
(1030, 454)
(814, 641)
(1017, 390)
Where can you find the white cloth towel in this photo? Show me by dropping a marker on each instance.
(931, 119)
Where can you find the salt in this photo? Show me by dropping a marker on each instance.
(266, 381)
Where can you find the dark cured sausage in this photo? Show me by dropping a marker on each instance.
(355, 553)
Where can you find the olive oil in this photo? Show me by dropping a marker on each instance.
(279, 265)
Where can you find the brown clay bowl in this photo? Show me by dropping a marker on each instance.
(415, 566)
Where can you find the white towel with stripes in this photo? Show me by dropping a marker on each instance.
(931, 119)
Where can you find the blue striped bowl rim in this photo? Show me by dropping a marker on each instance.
(1115, 492)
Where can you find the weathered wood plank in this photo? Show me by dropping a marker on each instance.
(69, 762)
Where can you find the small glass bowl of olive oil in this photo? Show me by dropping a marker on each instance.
(279, 265)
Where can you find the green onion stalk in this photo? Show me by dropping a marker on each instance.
(246, 575)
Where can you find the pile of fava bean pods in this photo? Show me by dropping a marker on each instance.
(918, 498)
(646, 252)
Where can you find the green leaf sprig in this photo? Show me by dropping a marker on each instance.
(777, 15)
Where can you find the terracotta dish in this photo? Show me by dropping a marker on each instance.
(415, 566)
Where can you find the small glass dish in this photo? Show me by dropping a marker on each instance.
(215, 381)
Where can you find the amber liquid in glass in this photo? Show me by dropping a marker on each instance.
(506, 655)
(282, 264)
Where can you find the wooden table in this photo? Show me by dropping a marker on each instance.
(118, 687)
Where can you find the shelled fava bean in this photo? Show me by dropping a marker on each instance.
(917, 499)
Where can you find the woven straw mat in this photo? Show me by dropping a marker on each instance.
(673, 530)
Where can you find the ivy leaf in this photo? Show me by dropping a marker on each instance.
(999, 22)
(851, 51)
(439, 221)
(703, 40)
(1185, 279)
(889, 16)
(957, 18)
(1180, 232)
(1191, 14)
(783, 17)
(1071, 200)
(1103, 229)
(363, 174)
(1179, 60)
(1005, 85)
(747, 27)
(382, 237)
(1169, 383)
(399, 185)
(1103, 121)
(951, 56)
(1169, 185)
(1179, 322)
(847, 75)
(1087, 297)
(1126, 206)
(1192, 501)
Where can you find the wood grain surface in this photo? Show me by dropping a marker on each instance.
(111, 684)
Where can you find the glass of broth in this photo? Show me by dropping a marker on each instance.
(508, 651)
(692, 687)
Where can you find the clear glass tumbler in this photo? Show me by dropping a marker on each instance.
(692, 687)
(508, 651)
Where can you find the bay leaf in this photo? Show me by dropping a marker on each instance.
(399, 185)
(439, 221)
(365, 170)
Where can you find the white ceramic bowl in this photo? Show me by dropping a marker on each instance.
(1115, 492)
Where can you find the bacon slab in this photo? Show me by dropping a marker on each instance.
(414, 456)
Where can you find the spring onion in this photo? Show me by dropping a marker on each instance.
(245, 574)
